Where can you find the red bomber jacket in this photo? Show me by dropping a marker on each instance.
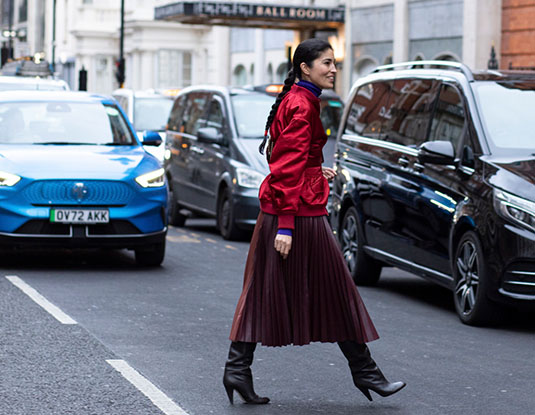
(296, 186)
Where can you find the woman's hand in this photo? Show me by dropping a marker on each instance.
(283, 244)
(328, 173)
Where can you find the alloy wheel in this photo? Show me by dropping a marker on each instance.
(467, 285)
(350, 242)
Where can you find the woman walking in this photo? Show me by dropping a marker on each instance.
(297, 288)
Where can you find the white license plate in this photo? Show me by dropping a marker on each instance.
(79, 215)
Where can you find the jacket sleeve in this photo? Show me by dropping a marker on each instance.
(287, 165)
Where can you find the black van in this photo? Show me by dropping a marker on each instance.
(211, 158)
(436, 175)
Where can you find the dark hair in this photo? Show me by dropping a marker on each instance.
(307, 52)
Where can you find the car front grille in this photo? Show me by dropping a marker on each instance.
(78, 192)
(42, 227)
(519, 278)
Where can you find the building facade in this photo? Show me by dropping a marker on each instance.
(226, 49)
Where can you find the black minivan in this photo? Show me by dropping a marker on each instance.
(436, 175)
(212, 162)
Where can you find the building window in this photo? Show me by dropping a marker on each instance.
(23, 11)
(239, 76)
(88, 2)
(174, 68)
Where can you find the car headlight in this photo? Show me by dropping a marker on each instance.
(249, 178)
(155, 178)
(8, 179)
(516, 208)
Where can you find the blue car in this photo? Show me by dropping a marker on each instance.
(73, 174)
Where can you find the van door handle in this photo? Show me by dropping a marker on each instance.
(197, 150)
(418, 168)
(403, 162)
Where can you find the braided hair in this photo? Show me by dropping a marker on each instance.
(307, 52)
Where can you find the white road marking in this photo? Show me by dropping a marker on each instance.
(231, 247)
(158, 398)
(52, 309)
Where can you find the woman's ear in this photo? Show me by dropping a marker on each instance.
(304, 69)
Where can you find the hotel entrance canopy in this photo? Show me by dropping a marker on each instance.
(252, 15)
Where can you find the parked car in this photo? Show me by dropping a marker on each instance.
(73, 174)
(148, 111)
(436, 175)
(12, 83)
(212, 161)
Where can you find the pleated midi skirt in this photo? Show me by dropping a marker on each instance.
(307, 297)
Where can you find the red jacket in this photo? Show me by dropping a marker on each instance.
(296, 186)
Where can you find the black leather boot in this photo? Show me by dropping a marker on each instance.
(238, 376)
(366, 374)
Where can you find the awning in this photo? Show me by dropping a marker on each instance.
(252, 15)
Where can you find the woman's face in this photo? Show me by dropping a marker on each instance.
(322, 71)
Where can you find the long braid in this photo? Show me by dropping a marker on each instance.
(288, 82)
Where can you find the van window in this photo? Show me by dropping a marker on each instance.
(175, 116)
(449, 118)
(409, 111)
(368, 110)
(195, 106)
(215, 117)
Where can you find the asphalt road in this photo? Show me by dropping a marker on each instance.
(171, 324)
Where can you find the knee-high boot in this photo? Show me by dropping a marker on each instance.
(366, 375)
(238, 376)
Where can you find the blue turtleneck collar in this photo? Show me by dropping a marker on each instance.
(311, 87)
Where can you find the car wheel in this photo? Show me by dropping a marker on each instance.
(225, 217)
(175, 217)
(470, 278)
(151, 256)
(363, 269)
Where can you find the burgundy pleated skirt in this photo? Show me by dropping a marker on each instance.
(307, 297)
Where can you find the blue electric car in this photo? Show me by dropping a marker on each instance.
(73, 174)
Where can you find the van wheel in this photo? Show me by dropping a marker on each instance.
(225, 217)
(470, 278)
(175, 217)
(151, 256)
(363, 269)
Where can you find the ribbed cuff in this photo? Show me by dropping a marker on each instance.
(286, 221)
(284, 231)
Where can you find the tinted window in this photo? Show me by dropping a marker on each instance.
(175, 117)
(195, 107)
(449, 117)
(215, 115)
(368, 110)
(62, 122)
(409, 111)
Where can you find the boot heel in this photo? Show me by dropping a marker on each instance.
(230, 394)
(366, 392)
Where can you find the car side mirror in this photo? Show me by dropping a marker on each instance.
(437, 152)
(209, 135)
(151, 138)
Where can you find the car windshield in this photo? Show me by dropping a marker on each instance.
(60, 122)
(151, 113)
(250, 113)
(507, 113)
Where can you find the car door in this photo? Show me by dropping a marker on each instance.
(183, 164)
(388, 210)
(441, 186)
(211, 157)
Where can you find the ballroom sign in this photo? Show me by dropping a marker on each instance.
(256, 11)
